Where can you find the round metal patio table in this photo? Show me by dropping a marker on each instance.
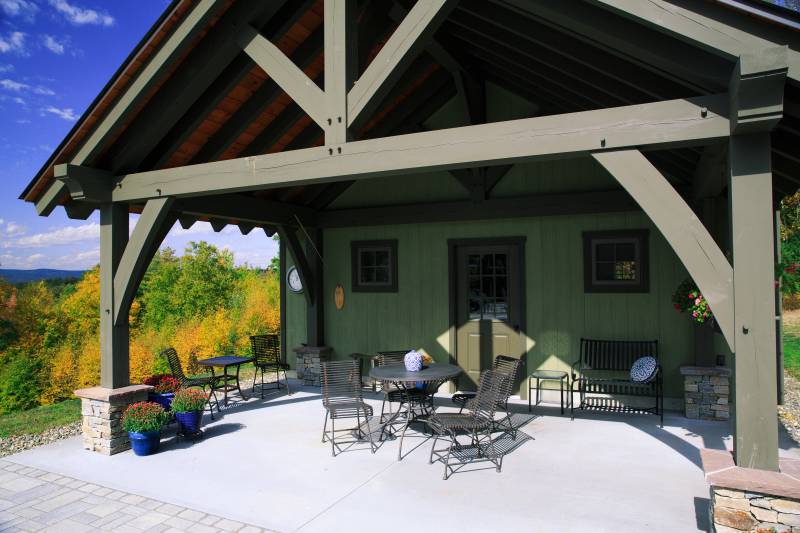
(432, 376)
(226, 361)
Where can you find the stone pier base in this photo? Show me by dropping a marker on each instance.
(744, 500)
(102, 410)
(707, 392)
(308, 363)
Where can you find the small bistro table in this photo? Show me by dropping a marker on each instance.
(549, 375)
(432, 376)
(226, 361)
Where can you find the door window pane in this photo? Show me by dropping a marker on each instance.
(487, 286)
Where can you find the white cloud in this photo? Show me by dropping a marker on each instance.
(68, 235)
(2, 221)
(19, 100)
(12, 85)
(13, 229)
(6, 68)
(13, 42)
(35, 257)
(197, 228)
(22, 121)
(67, 113)
(52, 44)
(44, 91)
(80, 16)
(23, 8)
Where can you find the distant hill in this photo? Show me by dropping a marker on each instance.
(24, 276)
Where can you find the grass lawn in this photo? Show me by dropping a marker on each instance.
(791, 342)
(40, 419)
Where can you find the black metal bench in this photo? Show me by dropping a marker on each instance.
(599, 380)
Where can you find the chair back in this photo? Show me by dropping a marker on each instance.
(390, 357)
(175, 365)
(266, 349)
(341, 381)
(493, 388)
(510, 367)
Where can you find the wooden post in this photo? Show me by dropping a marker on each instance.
(756, 92)
(755, 391)
(114, 364)
(340, 66)
(315, 318)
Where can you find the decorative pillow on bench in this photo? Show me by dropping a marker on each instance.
(644, 369)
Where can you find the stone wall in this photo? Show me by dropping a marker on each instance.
(101, 411)
(308, 364)
(707, 392)
(737, 511)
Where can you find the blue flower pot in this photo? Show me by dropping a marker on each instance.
(145, 443)
(189, 422)
(164, 399)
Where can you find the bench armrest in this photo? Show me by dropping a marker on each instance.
(575, 368)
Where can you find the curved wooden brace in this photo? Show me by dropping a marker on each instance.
(150, 230)
(691, 241)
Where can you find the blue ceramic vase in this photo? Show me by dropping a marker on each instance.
(413, 361)
(164, 399)
(189, 422)
(144, 443)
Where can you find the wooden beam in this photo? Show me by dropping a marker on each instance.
(151, 228)
(496, 208)
(685, 233)
(260, 100)
(79, 210)
(280, 68)
(85, 183)
(409, 37)
(114, 337)
(673, 123)
(51, 198)
(755, 390)
(170, 51)
(243, 208)
(275, 24)
(696, 25)
(301, 261)
(341, 66)
(664, 55)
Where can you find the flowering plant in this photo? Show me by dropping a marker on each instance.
(687, 297)
(143, 417)
(163, 383)
(786, 273)
(188, 400)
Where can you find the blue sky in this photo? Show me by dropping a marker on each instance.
(55, 57)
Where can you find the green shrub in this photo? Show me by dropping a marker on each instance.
(20, 382)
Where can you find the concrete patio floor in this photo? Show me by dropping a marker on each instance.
(262, 463)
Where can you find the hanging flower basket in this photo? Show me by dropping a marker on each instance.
(687, 298)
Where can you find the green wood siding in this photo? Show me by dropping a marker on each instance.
(558, 311)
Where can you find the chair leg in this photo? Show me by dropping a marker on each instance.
(286, 378)
(333, 437)
(372, 445)
(433, 447)
(325, 427)
(453, 442)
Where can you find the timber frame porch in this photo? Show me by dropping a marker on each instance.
(222, 114)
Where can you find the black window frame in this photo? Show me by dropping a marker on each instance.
(640, 238)
(356, 247)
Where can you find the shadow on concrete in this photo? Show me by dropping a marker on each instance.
(174, 442)
(701, 513)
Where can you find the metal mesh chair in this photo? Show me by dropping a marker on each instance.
(391, 393)
(341, 396)
(267, 358)
(476, 423)
(209, 382)
(508, 366)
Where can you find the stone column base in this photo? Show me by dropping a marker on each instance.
(308, 363)
(746, 499)
(102, 409)
(707, 392)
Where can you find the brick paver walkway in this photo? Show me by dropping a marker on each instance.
(35, 500)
